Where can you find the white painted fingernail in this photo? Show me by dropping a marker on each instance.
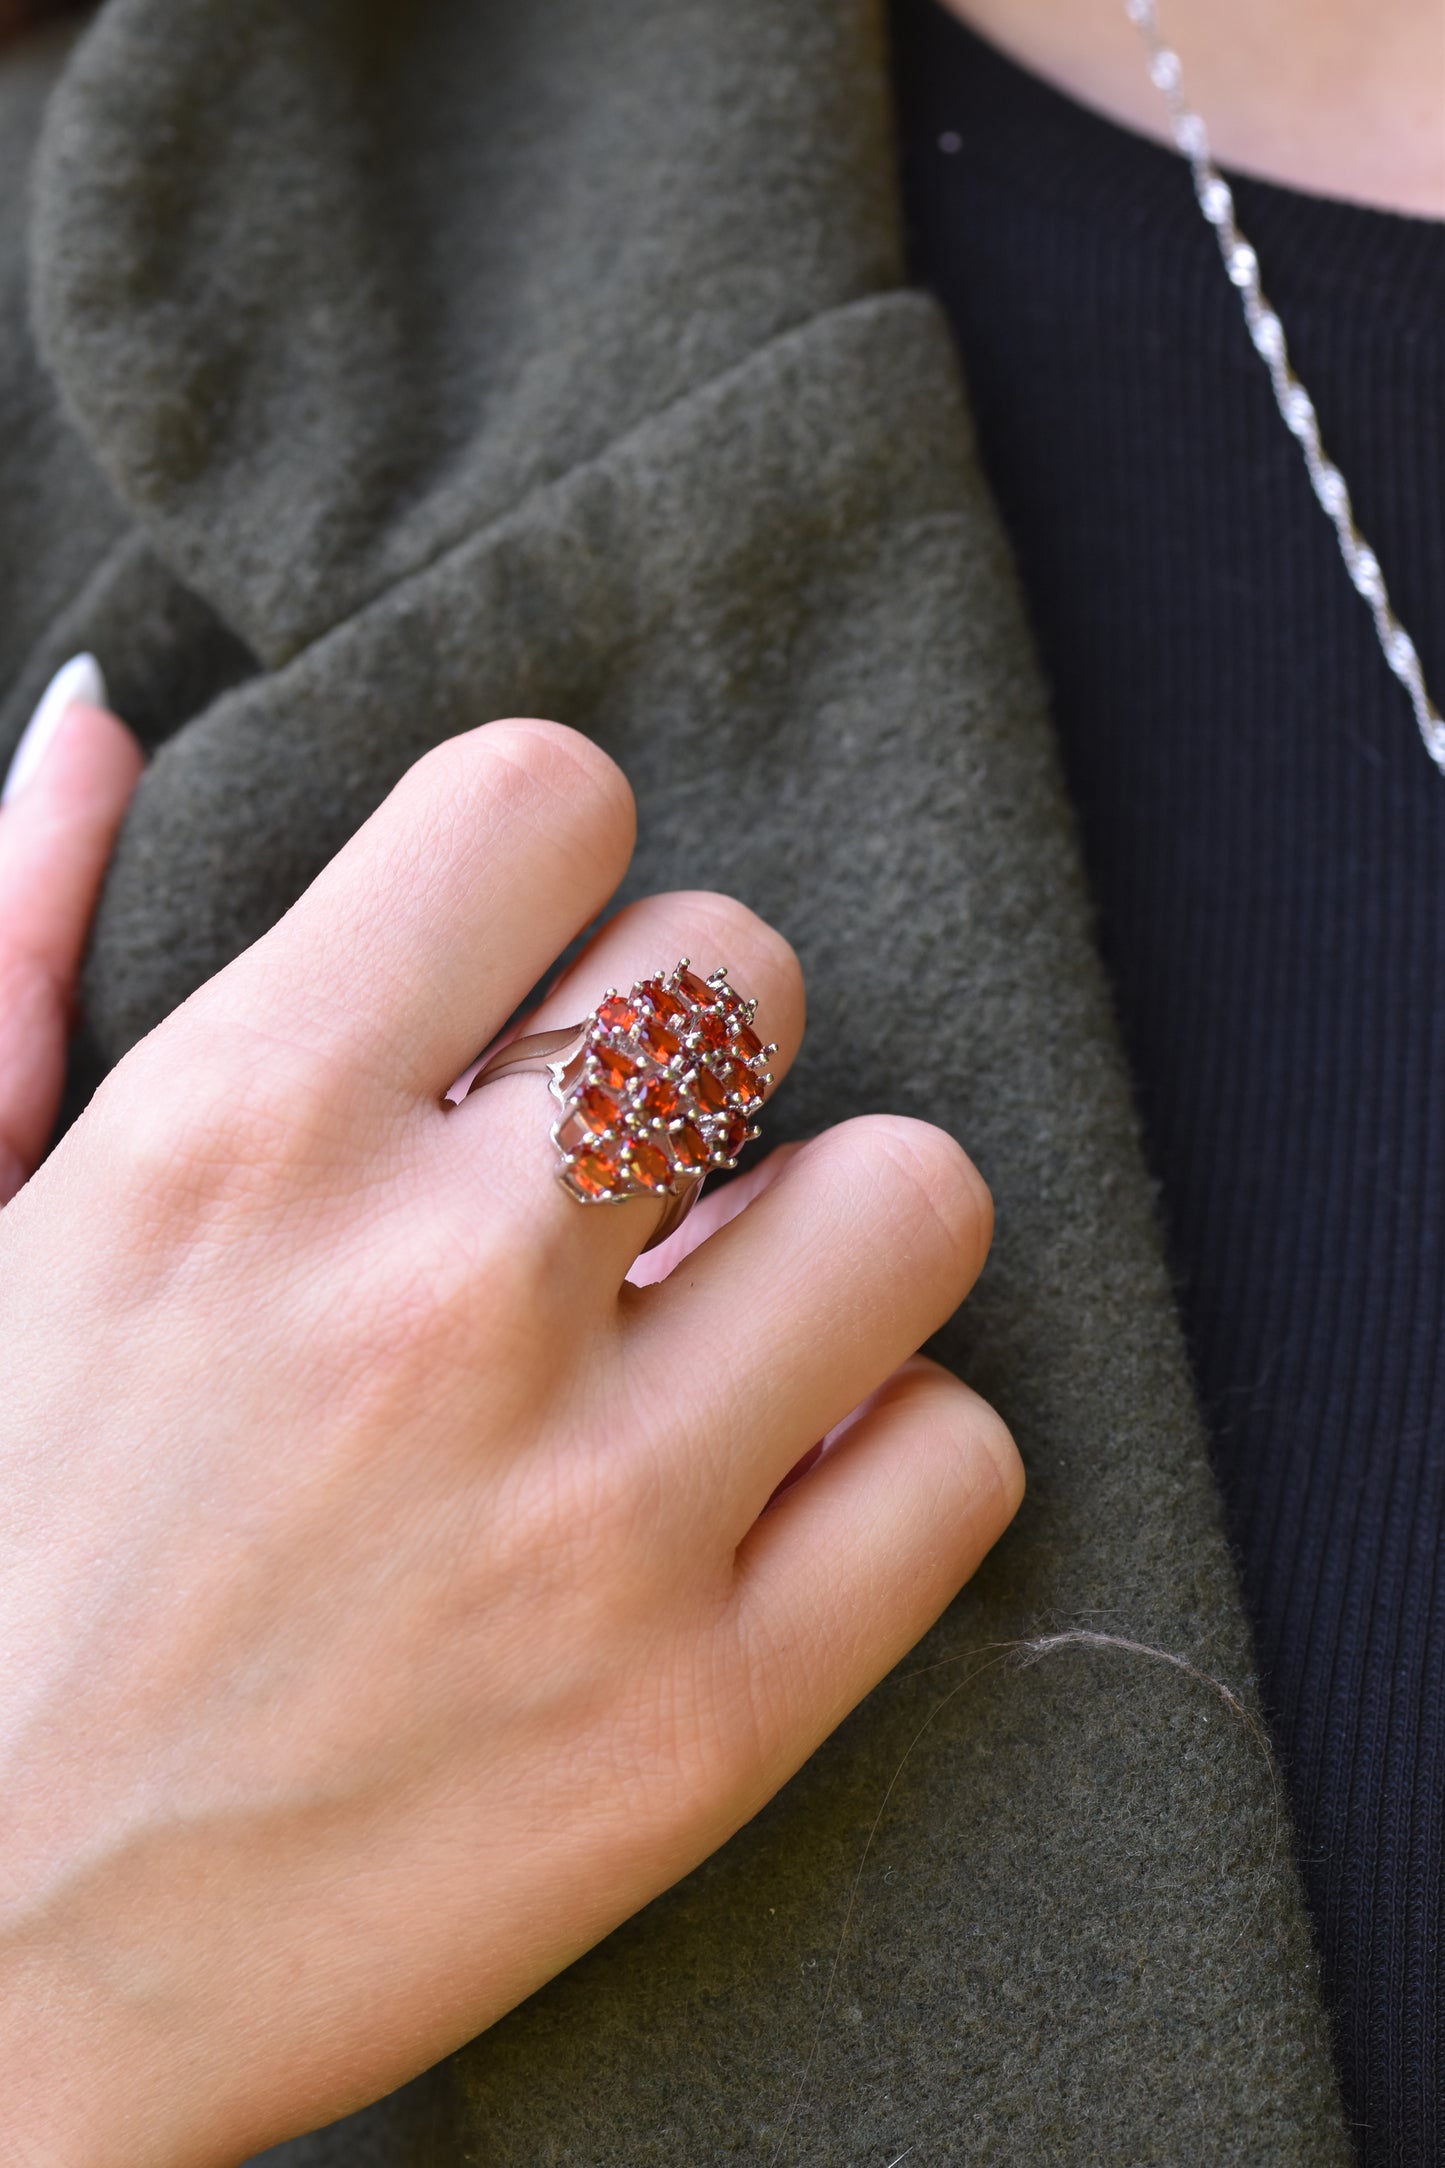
(78, 679)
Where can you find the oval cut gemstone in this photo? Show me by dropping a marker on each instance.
(661, 1043)
(664, 1002)
(708, 1093)
(732, 1135)
(711, 1032)
(740, 1083)
(660, 1099)
(596, 1173)
(689, 1149)
(596, 1109)
(647, 1165)
(613, 1066)
(697, 989)
(617, 1013)
(746, 1043)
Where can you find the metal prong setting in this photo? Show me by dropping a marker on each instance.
(663, 1089)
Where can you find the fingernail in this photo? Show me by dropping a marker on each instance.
(78, 679)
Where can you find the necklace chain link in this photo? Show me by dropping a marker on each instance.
(1216, 201)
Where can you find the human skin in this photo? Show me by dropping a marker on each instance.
(55, 841)
(1342, 97)
(393, 1594)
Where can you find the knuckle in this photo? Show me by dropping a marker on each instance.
(563, 759)
(968, 1444)
(994, 1455)
(718, 929)
(209, 1110)
(482, 1291)
(934, 1186)
(528, 767)
(580, 1526)
(500, 1294)
(617, 1508)
(429, 1327)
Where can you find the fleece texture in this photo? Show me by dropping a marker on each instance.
(397, 366)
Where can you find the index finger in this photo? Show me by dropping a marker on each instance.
(411, 949)
(56, 837)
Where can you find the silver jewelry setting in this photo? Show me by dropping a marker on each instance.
(655, 1090)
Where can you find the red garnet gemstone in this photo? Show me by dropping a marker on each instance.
(595, 1109)
(660, 1099)
(696, 989)
(665, 1003)
(711, 1031)
(708, 1093)
(741, 1084)
(661, 1043)
(617, 1013)
(732, 1135)
(597, 1173)
(689, 1150)
(614, 1067)
(649, 1166)
(746, 1043)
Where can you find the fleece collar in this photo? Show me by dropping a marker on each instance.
(326, 286)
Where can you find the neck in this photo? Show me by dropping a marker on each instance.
(1341, 97)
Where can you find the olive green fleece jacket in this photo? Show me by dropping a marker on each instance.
(372, 368)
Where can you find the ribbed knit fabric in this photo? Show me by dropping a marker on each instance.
(1267, 843)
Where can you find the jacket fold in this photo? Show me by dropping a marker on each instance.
(455, 359)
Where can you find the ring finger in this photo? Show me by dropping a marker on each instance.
(503, 1131)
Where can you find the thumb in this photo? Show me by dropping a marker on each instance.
(65, 795)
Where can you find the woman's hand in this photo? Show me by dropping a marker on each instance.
(68, 786)
(389, 1605)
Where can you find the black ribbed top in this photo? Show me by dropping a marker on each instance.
(1266, 838)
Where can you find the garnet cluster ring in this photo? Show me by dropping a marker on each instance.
(655, 1090)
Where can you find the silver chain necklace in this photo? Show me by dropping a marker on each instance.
(1216, 201)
